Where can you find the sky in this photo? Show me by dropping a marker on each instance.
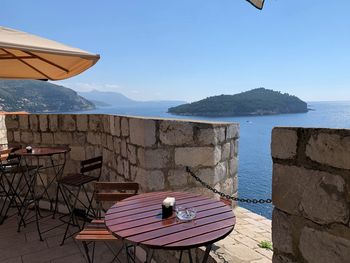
(192, 49)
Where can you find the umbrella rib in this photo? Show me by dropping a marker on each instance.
(47, 61)
(24, 62)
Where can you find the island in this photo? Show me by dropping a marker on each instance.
(35, 96)
(258, 101)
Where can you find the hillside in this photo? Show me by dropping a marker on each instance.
(39, 96)
(116, 99)
(259, 101)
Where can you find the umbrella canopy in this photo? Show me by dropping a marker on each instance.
(26, 56)
(257, 3)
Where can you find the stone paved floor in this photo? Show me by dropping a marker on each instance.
(240, 247)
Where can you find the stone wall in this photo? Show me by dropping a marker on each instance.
(311, 194)
(3, 132)
(152, 152)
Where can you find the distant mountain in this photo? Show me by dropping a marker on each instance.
(259, 101)
(116, 99)
(39, 96)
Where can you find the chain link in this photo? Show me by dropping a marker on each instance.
(226, 196)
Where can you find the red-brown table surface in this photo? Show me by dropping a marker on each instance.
(138, 220)
(42, 151)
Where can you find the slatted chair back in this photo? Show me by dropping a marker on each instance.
(113, 192)
(90, 165)
(7, 156)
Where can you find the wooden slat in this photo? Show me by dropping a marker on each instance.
(95, 237)
(169, 226)
(100, 197)
(138, 220)
(182, 235)
(116, 186)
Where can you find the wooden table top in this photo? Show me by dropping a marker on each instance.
(42, 151)
(138, 220)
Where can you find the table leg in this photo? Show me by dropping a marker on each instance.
(206, 254)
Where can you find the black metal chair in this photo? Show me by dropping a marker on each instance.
(96, 231)
(71, 187)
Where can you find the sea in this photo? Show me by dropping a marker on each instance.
(255, 164)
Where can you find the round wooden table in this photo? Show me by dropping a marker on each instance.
(138, 220)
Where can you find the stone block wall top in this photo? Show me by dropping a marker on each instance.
(310, 191)
(284, 143)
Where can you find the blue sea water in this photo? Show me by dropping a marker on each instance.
(255, 164)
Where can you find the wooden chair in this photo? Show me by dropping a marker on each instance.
(70, 188)
(96, 231)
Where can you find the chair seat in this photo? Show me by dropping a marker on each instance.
(95, 231)
(76, 179)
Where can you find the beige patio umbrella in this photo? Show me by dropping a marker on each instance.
(257, 3)
(26, 56)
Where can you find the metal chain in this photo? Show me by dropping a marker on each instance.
(226, 196)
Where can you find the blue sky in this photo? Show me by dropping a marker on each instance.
(192, 49)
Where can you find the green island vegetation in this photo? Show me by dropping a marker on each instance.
(258, 101)
(39, 96)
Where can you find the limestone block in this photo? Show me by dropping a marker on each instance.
(228, 186)
(284, 143)
(77, 153)
(142, 132)
(82, 122)
(330, 149)
(95, 122)
(94, 138)
(10, 136)
(178, 178)
(117, 144)
(62, 138)
(90, 152)
(322, 247)
(47, 138)
(282, 232)
(150, 180)
(176, 132)
(43, 122)
(120, 168)
(23, 121)
(16, 137)
(53, 122)
(155, 158)
(132, 172)
(225, 151)
(114, 125)
(233, 166)
(26, 137)
(12, 121)
(195, 156)
(104, 139)
(232, 131)
(319, 195)
(105, 123)
(79, 138)
(124, 151)
(37, 137)
(281, 259)
(110, 142)
(234, 148)
(67, 122)
(211, 136)
(124, 127)
(33, 122)
(126, 167)
(132, 154)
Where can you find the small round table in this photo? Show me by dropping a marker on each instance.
(32, 173)
(138, 220)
